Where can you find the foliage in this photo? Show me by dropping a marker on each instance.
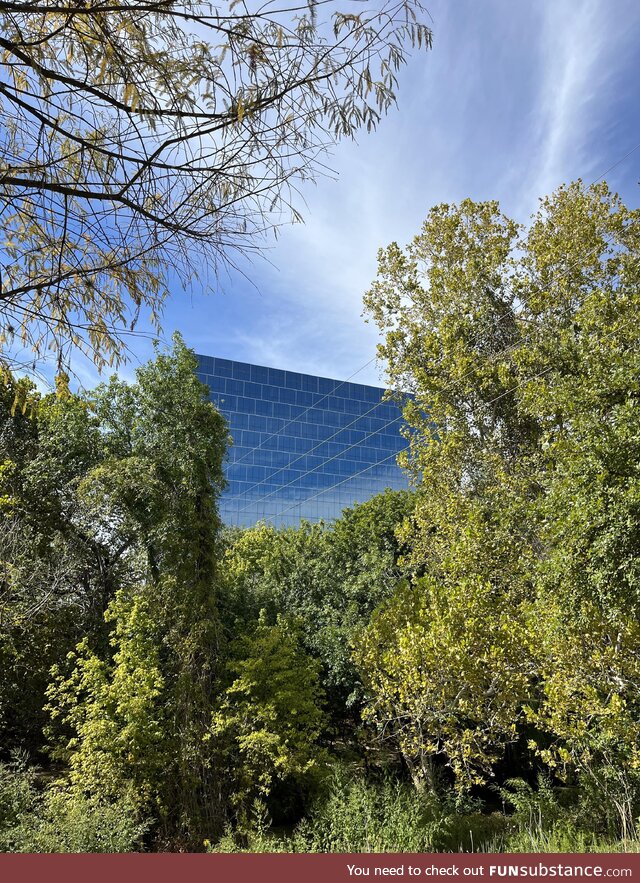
(134, 136)
(589, 667)
(121, 484)
(521, 348)
(328, 577)
(55, 581)
(471, 644)
(360, 815)
(269, 719)
(62, 819)
(363, 562)
(114, 711)
(363, 817)
(588, 640)
(17, 795)
(556, 819)
(447, 673)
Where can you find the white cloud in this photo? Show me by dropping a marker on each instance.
(575, 66)
(514, 99)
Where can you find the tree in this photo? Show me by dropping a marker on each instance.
(138, 137)
(359, 567)
(111, 497)
(447, 672)
(588, 664)
(269, 720)
(521, 348)
(56, 579)
(329, 578)
(583, 311)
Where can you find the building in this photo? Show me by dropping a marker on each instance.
(303, 446)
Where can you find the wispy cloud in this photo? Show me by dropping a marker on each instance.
(580, 50)
(514, 99)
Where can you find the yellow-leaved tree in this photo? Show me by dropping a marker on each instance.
(521, 347)
(138, 138)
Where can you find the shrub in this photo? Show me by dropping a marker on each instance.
(369, 817)
(62, 819)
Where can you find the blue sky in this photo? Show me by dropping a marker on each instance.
(515, 98)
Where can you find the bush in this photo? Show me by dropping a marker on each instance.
(61, 819)
(363, 817)
(367, 817)
(562, 820)
(17, 797)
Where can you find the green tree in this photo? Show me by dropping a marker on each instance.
(329, 578)
(520, 346)
(447, 670)
(172, 135)
(269, 721)
(136, 717)
(584, 297)
(55, 581)
(114, 710)
(588, 663)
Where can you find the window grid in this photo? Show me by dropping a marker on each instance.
(258, 404)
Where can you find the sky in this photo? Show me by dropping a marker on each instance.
(514, 99)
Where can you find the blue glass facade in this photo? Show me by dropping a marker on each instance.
(303, 446)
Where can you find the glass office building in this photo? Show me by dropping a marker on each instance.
(303, 446)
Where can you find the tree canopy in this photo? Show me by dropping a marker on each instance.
(455, 666)
(521, 346)
(138, 136)
(108, 583)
